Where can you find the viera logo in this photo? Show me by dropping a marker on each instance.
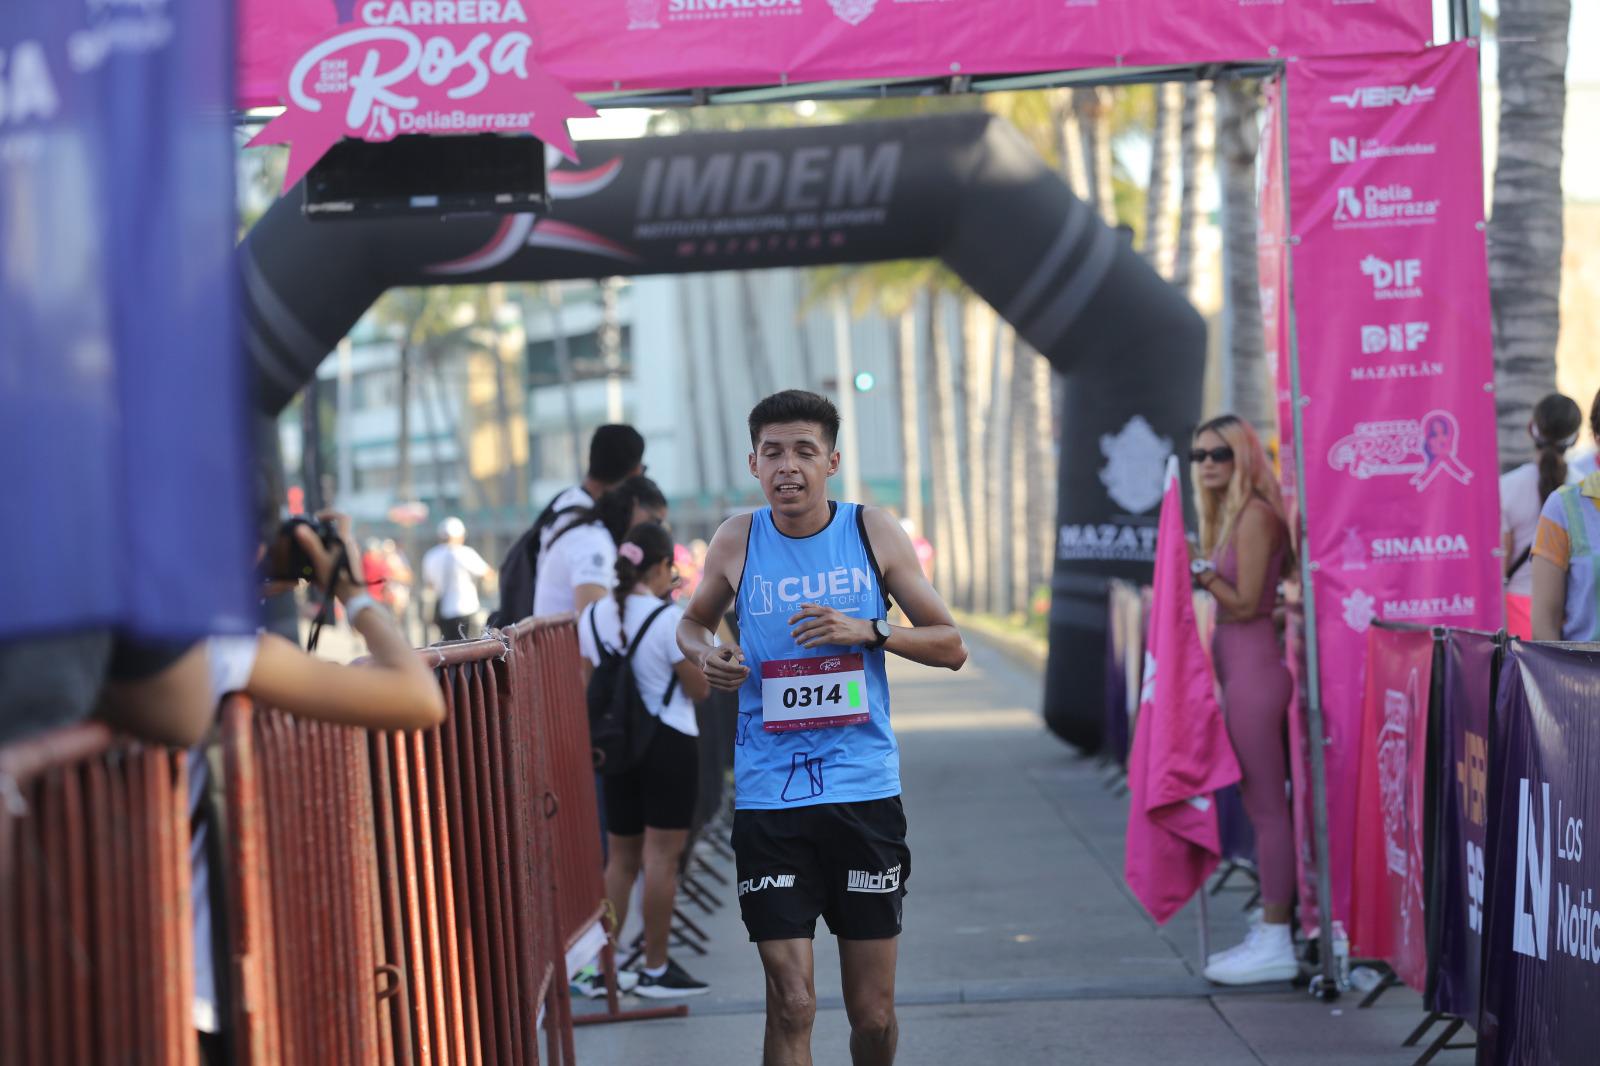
(1531, 934)
(757, 884)
(878, 884)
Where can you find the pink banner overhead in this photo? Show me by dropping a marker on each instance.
(679, 44)
(1391, 322)
(378, 79)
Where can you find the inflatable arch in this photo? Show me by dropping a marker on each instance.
(964, 188)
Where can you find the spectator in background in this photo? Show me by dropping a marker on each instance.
(452, 571)
(397, 590)
(650, 808)
(1566, 564)
(578, 565)
(1523, 491)
(1586, 461)
(616, 453)
(375, 569)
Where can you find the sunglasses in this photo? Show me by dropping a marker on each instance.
(1220, 455)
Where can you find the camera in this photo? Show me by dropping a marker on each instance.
(287, 561)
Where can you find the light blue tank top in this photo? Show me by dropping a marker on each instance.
(847, 764)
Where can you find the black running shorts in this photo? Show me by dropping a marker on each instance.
(661, 791)
(845, 861)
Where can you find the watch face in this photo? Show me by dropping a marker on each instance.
(882, 627)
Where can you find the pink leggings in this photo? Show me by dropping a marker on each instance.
(1256, 689)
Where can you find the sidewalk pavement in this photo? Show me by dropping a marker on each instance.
(1022, 944)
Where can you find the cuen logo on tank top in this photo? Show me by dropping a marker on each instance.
(844, 588)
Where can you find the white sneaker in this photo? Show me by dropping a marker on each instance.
(1257, 916)
(590, 982)
(1266, 955)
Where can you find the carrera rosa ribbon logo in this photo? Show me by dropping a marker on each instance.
(427, 66)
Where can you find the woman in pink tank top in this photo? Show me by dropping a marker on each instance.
(1244, 551)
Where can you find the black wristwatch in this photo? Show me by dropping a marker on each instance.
(880, 634)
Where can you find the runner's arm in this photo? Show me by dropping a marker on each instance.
(932, 639)
(723, 666)
(1549, 598)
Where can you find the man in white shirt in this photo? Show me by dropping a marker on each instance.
(616, 453)
(451, 570)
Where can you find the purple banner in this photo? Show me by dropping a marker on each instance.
(1461, 820)
(1541, 974)
(123, 409)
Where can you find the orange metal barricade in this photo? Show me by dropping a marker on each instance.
(96, 956)
(555, 689)
(303, 885)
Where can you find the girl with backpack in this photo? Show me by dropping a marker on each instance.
(649, 805)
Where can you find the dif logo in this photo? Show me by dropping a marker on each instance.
(1393, 279)
(1397, 337)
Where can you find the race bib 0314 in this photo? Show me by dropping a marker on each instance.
(814, 693)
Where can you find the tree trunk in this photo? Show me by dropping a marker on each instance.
(1093, 106)
(1526, 231)
(949, 505)
(1070, 146)
(1199, 144)
(1002, 484)
(311, 444)
(610, 338)
(718, 377)
(1021, 423)
(693, 425)
(1161, 201)
(1041, 479)
(978, 322)
(569, 394)
(905, 368)
(755, 341)
(1247, 383)
(403, 491)
(509, 474)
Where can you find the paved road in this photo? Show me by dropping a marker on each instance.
(1022, 945)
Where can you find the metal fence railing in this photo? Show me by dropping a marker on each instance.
(95, 929)
(386, 898)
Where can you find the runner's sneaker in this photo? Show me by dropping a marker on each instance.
(1266, 955)
(591, 982)
(673, 984)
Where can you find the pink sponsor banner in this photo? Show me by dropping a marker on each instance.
(344, 77)
(602, 45)
(1391, 307)
(1386, 905)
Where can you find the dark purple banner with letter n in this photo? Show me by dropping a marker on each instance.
(1461, 806)
(1541, 974)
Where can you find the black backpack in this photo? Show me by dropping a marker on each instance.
(620, 726)
(519, 570)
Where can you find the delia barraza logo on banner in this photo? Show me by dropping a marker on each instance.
(1422, 447)
(1381, 206)
(423, 66)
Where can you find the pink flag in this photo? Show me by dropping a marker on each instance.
(1181, 753)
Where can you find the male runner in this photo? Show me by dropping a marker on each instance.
(819, 827)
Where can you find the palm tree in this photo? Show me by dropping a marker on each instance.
(1093, 107)
(978, 325)
(1002, 485)
(905, 368)
(1526, 230)
(1198, 139)
(1247, 388)
(955, 547)
(1161, 202)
